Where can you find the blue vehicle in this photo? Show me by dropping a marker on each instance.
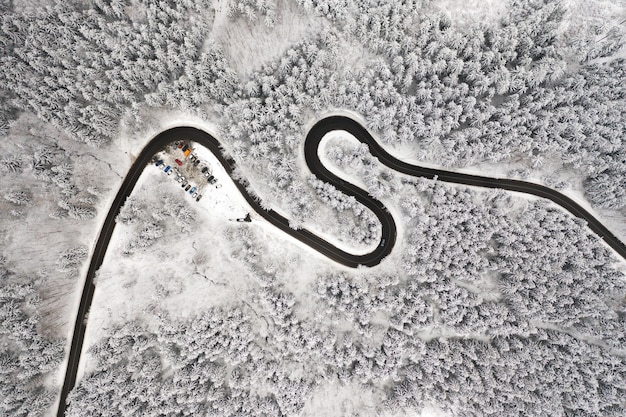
(159, 162)
(167, 168)
(193, 190)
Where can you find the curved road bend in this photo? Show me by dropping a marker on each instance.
(305, 236)
(312, 141)
(360, 133)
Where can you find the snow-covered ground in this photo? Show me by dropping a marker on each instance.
(248, 45)
(339, 399)
(466, 13)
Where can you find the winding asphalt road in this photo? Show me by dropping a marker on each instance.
(311, 145)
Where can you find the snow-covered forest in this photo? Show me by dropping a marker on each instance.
(494, 306)
(490, 304)
(26, 356)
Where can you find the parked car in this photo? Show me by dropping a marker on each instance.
(187, 152)
(184, 184)
(192, 157)
(187, 187)
(185, 148)
(197, 162)
(167, 168)
(205, 169)
(199, 197)
(181, 144)
(179, 162)
(175, 145)
(194, 195)
(193, 190)
(159, 162)
(218, 186)
(181, 179)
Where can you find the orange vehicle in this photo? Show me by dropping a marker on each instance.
(187, 152)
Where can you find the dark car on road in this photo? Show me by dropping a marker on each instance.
(246, 219)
